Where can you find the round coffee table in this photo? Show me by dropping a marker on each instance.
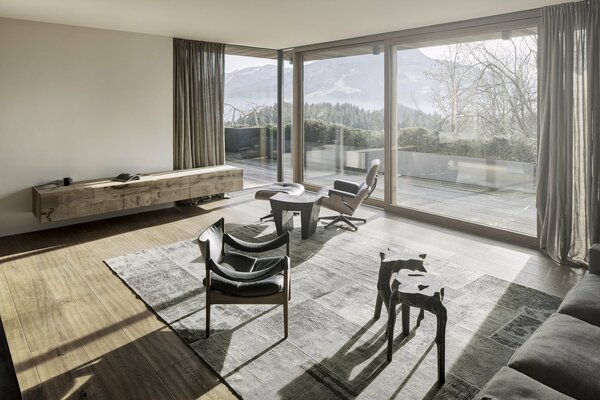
(424, 291)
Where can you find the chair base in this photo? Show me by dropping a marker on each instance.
(269, 215)
(343, 218)
(214, 297)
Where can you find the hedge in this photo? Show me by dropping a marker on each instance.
(421, 140)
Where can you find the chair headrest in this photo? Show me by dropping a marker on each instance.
(372, 171)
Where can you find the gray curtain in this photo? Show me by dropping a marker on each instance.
(569, 131)
(198, 90)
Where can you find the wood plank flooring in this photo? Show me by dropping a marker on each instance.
(74, 329)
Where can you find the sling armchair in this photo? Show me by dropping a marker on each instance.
(236, 278)
(346, 197)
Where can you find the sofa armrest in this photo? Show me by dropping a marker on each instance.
(594, 267)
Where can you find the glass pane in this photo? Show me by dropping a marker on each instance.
(250, 116)
(467, 129)
(288, 94)
(343, 114)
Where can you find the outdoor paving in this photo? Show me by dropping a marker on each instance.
(504, 209)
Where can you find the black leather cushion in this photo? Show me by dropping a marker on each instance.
(270, 285)
(238, 262)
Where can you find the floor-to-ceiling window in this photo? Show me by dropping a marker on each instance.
(288, 91)
(451, 112)
(466, 128)
(250, 114)
(343, 113)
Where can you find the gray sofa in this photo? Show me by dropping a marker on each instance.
(561, 360)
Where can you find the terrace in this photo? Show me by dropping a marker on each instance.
(511, 209)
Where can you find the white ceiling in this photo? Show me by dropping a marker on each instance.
(262, 23)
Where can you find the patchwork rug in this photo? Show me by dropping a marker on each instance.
(335, 349)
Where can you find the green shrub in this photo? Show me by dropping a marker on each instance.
(420, 140)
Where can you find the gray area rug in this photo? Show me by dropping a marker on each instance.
(335, 349)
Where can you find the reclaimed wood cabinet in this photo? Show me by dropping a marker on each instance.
(56, 202)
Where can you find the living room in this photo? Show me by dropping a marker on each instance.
(245, 200)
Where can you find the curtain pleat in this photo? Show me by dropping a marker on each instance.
(568, 196)
(198, 96)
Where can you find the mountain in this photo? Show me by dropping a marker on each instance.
(358, 80)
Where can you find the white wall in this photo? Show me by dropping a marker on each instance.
(79, 102)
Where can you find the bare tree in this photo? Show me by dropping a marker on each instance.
(248, 115)
(452, 95)
(491, 84)
(506, 88)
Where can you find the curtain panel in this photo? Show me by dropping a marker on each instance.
(198, 96)
(569, 130)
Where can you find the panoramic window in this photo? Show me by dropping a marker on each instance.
(467, 129)
(250, 117)
(288, 92)
(343, 114)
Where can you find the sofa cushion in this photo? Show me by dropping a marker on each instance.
(564, 353)
(583, 301)
(509, 384)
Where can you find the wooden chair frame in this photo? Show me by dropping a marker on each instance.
(214, 297)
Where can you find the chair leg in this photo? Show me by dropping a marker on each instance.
(329, 217)
(347, 221)
(334, 221)
(207, 319)
(269, 215)
(285, 318)
(343, 218)
(364, 220)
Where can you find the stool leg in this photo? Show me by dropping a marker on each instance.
(405, 319)
(378, 305)
(440, 340)
(207, 319)
(420, 317)
(390, 325)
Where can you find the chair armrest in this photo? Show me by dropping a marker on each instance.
(259, 246)
(341, 193)
(594, 267)
(238, 276)
(346, 186)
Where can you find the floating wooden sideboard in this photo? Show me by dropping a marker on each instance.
(56, 202)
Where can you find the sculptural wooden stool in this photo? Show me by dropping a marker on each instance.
(393, 261)
(424, 291)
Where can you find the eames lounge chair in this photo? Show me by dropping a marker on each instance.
(236, 278)
(346, 197)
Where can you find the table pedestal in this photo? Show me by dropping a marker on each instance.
(283, 207)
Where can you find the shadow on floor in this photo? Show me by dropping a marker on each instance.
(27, 244)
(9, 387)
(123, 373)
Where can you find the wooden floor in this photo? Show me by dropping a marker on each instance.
(75, 329)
